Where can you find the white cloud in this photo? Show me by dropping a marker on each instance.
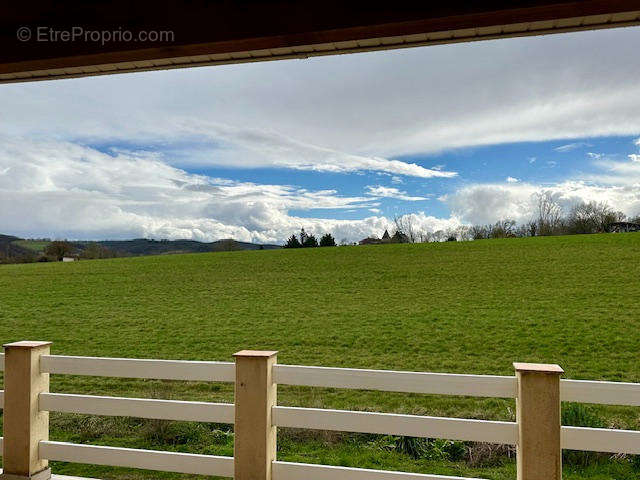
(397, 180)
(253, 147)
(481, 204)
(637, 142)
(571, 146)
(61, 189)
(64, 190)
(391, 192)
(634, 157)
(351, 113)
(512, 180)
(618, 184)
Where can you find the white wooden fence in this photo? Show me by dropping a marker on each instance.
(537, 433)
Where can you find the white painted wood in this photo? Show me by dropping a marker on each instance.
(133, 458)
(601, 440)
(607, 393)
(305, 471)
(1, 445)
(394, 424)
(394, 381)
(1, 398)
(138, 407)
(139, 368)
(1, 362)
(65, 477)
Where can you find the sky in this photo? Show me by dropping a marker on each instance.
(455, 134)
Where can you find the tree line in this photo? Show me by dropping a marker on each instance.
(547, 218)
(309, 240)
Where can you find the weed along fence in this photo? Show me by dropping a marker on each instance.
(537, 433)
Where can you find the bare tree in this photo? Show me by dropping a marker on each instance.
(439, 236)
(59, 249)
(592, 217)
(532, 228)
(479, 232)
(463, 233)
(424, 236)
(548, 214)
(503, 229)
(405, 224)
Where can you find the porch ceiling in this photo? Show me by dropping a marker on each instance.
(221, 32)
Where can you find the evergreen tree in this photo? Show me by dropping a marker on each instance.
(310, 241)
(303, 236)
(292, 242)
(327, 240)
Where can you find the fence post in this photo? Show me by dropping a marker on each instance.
(24, 424)
(255, 395)
(539, 454)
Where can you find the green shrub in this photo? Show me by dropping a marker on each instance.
(579, 415)
(412, 446)
(447, 450)
(431, 449)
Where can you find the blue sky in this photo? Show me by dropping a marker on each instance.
(451, 135)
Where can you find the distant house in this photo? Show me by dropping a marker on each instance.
(623, 227)
(370, 241)
(397, 237)
(69, 259)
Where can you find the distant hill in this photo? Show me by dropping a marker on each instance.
(144, 246)
(14, 249)
(10, 247)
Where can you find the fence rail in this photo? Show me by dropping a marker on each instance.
(139, 368)
(147, 459)
(601, 440)
(394, 424)
(394, 381)
(606, 393)
(138, 407)
(537, 389)
(298, 471)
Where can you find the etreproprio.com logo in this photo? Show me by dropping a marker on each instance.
(102, 37)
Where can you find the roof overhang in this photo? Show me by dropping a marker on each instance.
(222, 32)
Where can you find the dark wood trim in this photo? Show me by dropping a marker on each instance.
(205, 28)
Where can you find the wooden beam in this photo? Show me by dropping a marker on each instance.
(255, 433)
(25, 425)
(539, 453)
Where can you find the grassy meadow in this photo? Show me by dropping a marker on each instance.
(471, 307)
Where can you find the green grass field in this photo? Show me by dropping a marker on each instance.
(36, 246)
(472, 307)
